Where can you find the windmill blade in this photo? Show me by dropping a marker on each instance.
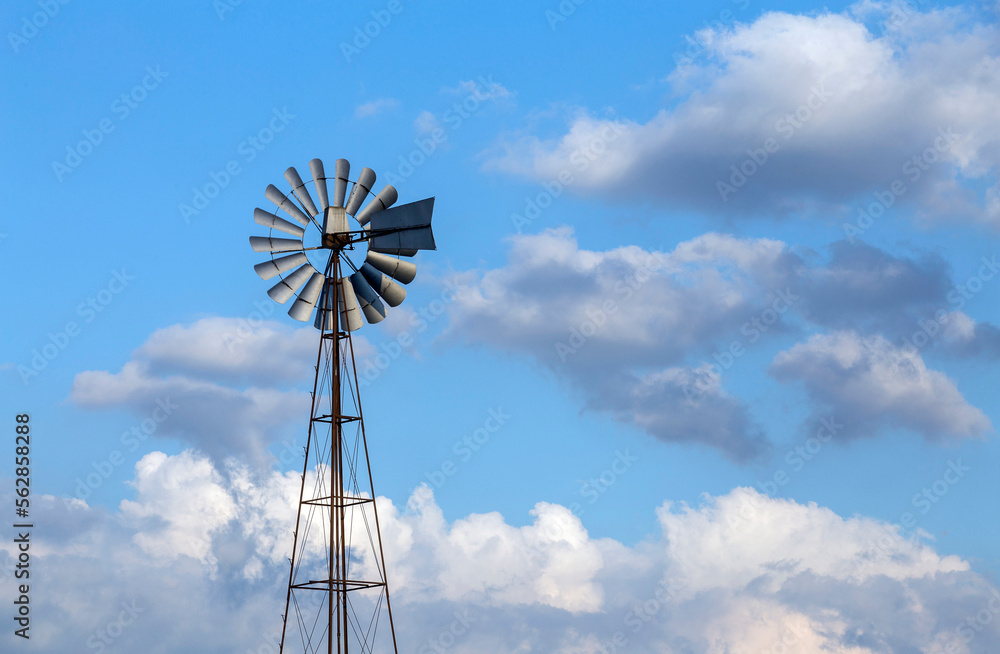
(347, 301)
(266, 219)
(266, 244)
(341, 174)
(278, 198)
(361, 190)
(269, 269)
(325, 310)
(402, 271)
(303, 306)
(404, 228)
(350, 310)
(319, 179)
(385, 199)
(390, 291)
(300, 190)
(371, 305)
(286, 288)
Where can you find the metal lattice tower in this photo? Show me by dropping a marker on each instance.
(338, 593)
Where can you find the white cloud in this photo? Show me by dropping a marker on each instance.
(220, 384)
(184, 501)
(618, 302)
(650, 336)
(266, 352)
(375, 107)
(218, 419)
(599, 318)
(684, 405)
(846, 109)
(867, 381)
(963, 336)
(959, 327)
(550, 562)
(741, 570)
(862, 287)
(778, 539)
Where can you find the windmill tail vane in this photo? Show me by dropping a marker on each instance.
(337, 598)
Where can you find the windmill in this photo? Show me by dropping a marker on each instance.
(338, 593)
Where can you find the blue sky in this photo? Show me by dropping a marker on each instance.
(674, 242)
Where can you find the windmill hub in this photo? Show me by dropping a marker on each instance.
(336, 230)
(337, 240)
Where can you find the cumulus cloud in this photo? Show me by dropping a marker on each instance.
(232, 349)
(579, 309)
(602, 319)
(648, 336)
(867, 382)
(223, 385)
(183, 499)
(965, 337)
(740, 570)
(218, 419)
(861, 286)
(909, 298)
(797, 113)
(551, 562)
(684, 404)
